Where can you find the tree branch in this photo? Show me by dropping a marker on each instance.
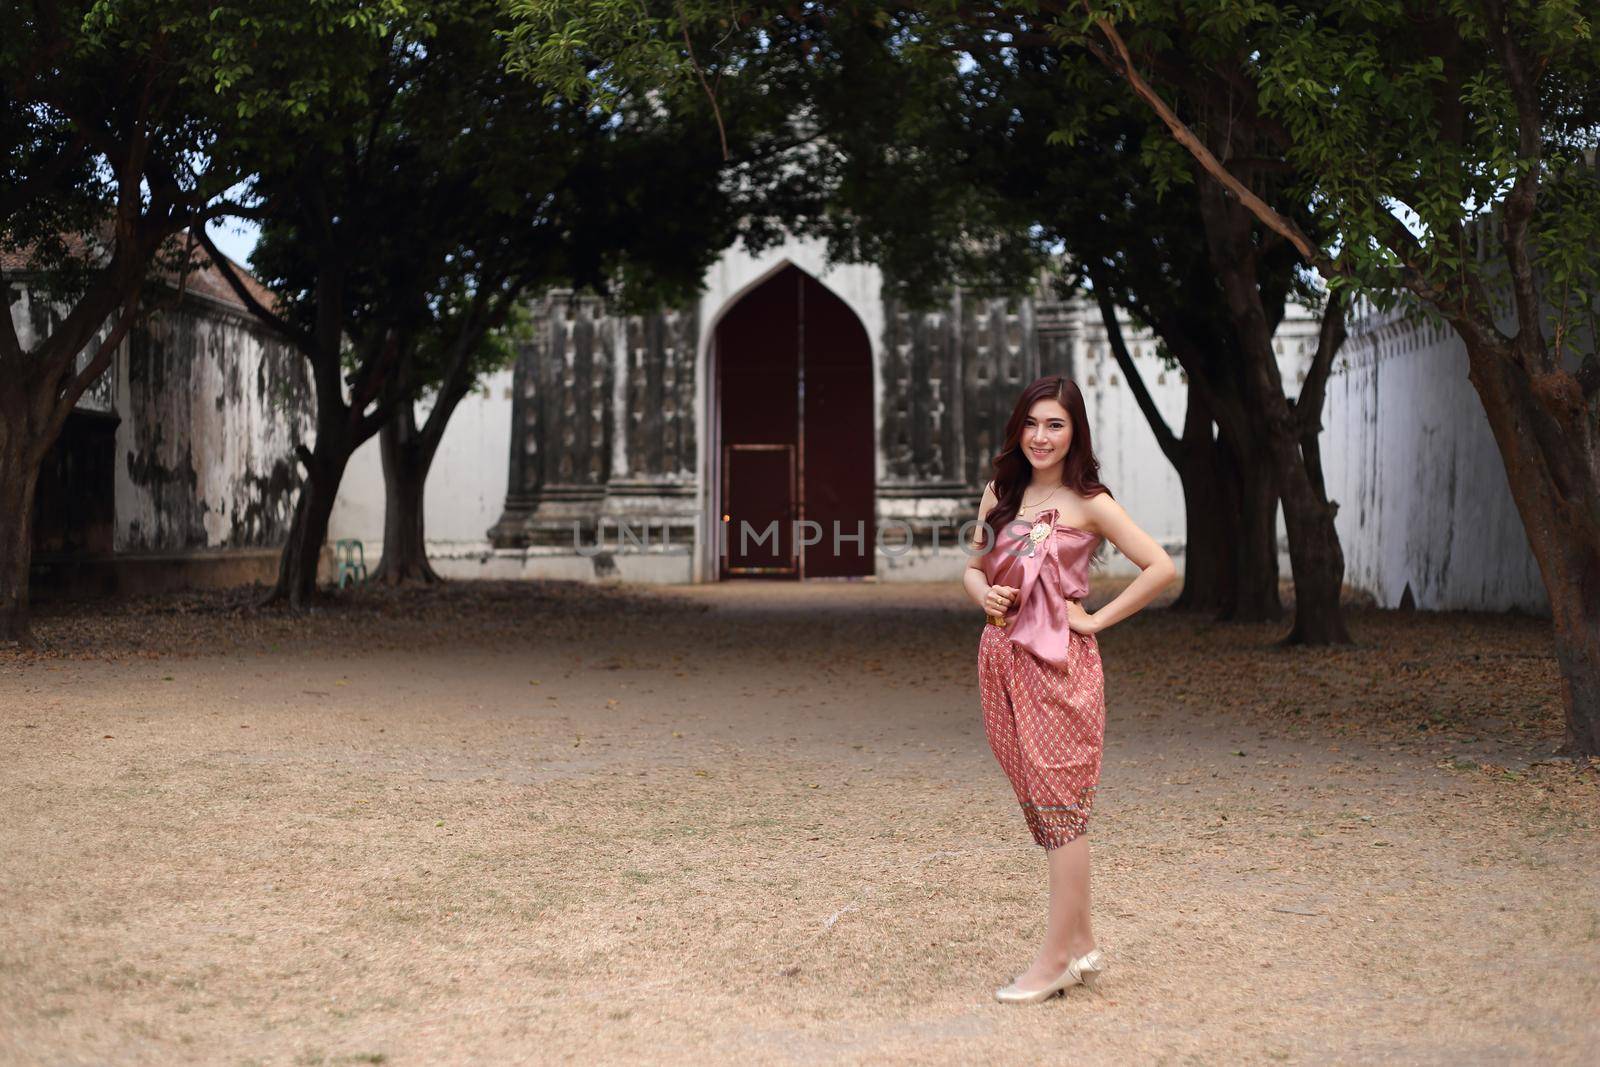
(716, 110)
(1170, 445)
(375, 372)
(1330, 338)
(78, 384)
(225, 267)
(1588, 375)
(368, 423)
(1123, 65)
(11, 354)
(1519, 205)
(116, 285)
(462, 373)
(219, 209)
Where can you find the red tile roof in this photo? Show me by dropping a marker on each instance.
(207, 279)
(204, 276)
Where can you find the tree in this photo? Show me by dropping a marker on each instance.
(408, 447)
(401, 229)
(1134, 243)
(115, 119)
(1424, 126)
(990, 132)
(893, 190)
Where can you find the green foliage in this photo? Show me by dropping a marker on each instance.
(942, 152)
(1565, 229)
(124, 112)
(840, 123)
(1393, 108)
(419, 208)
(1372, 109)
(596, 51)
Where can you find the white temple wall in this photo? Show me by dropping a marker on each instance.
(466, 487)
(1422, 492)
(1406, 451)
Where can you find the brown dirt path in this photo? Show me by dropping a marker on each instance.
(506, 824)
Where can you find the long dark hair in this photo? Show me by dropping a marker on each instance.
(1080, 471)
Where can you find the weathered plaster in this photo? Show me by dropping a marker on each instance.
(1406, 450)
(1424, 501)
(212, 409)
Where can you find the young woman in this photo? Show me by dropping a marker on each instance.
(1039, 673)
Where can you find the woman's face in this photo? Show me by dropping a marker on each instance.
(1046, 434)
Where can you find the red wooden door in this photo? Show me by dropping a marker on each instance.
(794, 385)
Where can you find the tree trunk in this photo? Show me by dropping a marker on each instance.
(297, 567)
(1208, 571)
(1578, 658)
(1315, 558)
(1556, 489)
(406, 460)
(1244, 502)
(19, 473)
(1207, 561)
(1318, 565)
(1251, 504)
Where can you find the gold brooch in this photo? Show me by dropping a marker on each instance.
(1040, 531)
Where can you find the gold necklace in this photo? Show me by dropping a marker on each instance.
(1047, 496)
(1040, 530)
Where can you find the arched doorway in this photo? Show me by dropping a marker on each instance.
(794, 434)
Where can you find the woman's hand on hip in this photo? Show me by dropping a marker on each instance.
(1080, 620)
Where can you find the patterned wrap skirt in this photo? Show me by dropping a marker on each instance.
(1046, 726)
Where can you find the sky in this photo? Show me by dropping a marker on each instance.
(236, 239)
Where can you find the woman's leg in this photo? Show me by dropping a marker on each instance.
(1061, 727)
(1067, 932)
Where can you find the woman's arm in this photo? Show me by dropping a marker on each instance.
(1156, 569)
(973, 579)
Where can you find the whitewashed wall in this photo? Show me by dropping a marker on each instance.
(1422, 492)
(1131, 461)
(210, 411)
(1406, 450)
(466, 488)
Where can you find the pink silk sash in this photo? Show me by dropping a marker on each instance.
(1048, 574)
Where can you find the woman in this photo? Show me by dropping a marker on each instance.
(1039, 671)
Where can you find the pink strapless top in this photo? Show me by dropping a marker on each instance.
(1048, 573)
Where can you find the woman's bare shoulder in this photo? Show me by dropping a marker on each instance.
(1104, 513)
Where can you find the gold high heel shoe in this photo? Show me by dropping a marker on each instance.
(1085, 970)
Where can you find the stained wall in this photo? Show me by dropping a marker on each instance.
(1423, 499)
(209, 410)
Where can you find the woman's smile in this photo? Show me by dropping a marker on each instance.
(1046, 432)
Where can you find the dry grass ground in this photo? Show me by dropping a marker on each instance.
(760, 823)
